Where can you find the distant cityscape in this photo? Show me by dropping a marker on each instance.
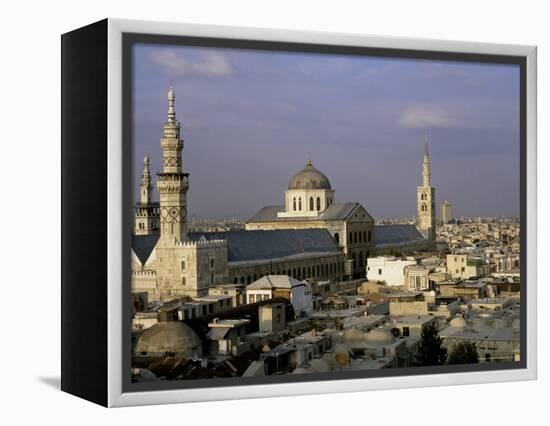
(316, 285)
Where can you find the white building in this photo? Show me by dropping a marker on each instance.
(387, 269)
(298, 292)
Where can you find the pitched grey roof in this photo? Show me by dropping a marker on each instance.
(396, 234)
(254, 245)
(336, 211)
(264, 245)
(143, 245)
(274, 281)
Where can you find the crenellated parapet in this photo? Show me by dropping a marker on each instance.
(202, 244)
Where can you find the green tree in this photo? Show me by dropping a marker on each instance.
(431, 351)
(464, 353)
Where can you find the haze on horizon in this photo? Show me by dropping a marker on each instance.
(251, 118)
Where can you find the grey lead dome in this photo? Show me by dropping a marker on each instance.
(309, 178)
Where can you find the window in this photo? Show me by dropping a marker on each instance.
(360, 239)
(379, 271)
(235, 280)
(406, 331)
(369, 235)
(294, 204)
(300, 203)
(487, 357)
(311, 203)
(318, 203)
(183, 265)
(183, 281)
(248, 281)
(211, 263)
(337, 237)
(351, 237)
(251, 299)
(360, 259)
(212, 278)
(355, 236)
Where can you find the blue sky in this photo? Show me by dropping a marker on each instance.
(250, 118)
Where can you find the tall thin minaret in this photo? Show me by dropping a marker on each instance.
(172, 183)
(426, 199)
(145, 186)
(146, 213)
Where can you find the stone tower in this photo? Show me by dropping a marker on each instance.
(146, 212)
(426, 200)
(172, 183)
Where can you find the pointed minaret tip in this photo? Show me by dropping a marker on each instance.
(146, 159)
(309, 163)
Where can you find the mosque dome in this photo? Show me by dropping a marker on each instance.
(173, 337)
(380, 336)
(309, 178)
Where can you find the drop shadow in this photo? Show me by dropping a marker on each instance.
(53, 382)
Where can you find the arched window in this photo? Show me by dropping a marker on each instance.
(242, 280)
(355, 236)
(351, 237)
(370, 235)
(337, 237)
(311, 203)
(318, 203)
(255, 277)
(365, 236)
(248, 281)
(360, 236)
(300, 203)
(235, 280)
(294, 204)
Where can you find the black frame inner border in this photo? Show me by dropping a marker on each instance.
(131, 39)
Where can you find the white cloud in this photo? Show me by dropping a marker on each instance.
(210, 64)
(428, 116)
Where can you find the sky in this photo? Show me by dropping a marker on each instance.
(250, 119)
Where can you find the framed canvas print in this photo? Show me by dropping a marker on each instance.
(251, 212)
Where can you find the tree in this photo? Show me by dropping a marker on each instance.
(431, 351)
(464, 353)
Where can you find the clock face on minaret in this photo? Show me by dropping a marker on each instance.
(172, 183)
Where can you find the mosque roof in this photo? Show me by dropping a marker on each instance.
(336, 211)
(262, 245)
(385, 235)
(143, 245)
(255, 244)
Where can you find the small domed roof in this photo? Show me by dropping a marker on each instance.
(380, 336)
(172, 337)
(309, 178)
(458, 322)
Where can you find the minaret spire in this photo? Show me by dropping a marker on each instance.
(171, 107)
(426, 164)
(145, 186)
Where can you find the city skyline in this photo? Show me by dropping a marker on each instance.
(361, 119)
